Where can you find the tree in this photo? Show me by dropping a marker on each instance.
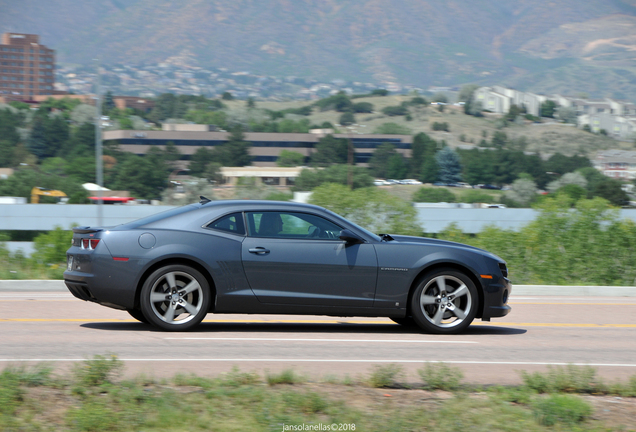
(109, 103)
(439, 97)
(362, 107)
(236, 152)
(251, 103)
(450, 169)
(200, 159)
(227, 96)
(9, 122)
(397, 110)
(423, 147)
(213, 172)
(379, 92)
(347, 119)
(611, 190)
(397, 167)
(547, 109)
(289, 158)
(330, 150)
(569, 178)
(466, 92)
(566, 114)
(430, 170)
(57, 134)
(499, 139)
(522, 191)
(37, 139)
(378, 164)
(562, 164)
(6, 154)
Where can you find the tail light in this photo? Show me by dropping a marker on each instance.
(89, 244)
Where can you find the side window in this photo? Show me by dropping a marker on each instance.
(231, 223)
(291, 225)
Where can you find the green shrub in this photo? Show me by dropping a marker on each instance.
(427, 194)
(561, 408)
(287, 376)
(568, 379)
(98, 371)
(440, 376)
(385, 375)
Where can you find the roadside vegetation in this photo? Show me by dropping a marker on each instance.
(95, 396)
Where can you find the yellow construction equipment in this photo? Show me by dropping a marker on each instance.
(37, 191)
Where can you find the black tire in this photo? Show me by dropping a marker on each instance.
(405, 322)
(136, 314)
(444, 302)
(175, 298)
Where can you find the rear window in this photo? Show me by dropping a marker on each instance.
(232, 223)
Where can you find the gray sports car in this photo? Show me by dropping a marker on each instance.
(265, 257)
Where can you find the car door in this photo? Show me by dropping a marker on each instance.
(298, 258)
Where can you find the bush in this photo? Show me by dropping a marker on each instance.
(98, 371)
(397, 110)
(441, 126)
(426, 194)
(561, 408)
(385, 375)
(440, 376)
(288, 376)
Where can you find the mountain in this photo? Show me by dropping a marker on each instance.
(569, 46)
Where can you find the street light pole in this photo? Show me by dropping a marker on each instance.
(98, 150)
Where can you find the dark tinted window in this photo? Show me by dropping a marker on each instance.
(231, 223)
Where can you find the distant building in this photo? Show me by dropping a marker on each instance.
(265, 147)
(27, 68)
(618, 164)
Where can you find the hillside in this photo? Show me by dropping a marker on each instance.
(538, 45)
(546, 138)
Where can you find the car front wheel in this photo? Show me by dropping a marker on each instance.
(175, 298)
(444, 302)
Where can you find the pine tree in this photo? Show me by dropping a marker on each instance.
(450, 169)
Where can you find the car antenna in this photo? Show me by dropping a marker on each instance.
(204, 200)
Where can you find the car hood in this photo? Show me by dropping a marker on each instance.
(437, 242)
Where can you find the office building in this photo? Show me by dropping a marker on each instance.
(27, 68)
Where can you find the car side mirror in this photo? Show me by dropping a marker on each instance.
(350, 237)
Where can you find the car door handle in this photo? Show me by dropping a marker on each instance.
(259, 250)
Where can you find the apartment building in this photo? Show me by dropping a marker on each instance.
(618, 164)
(27, 68)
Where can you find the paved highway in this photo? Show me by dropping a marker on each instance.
(53, 326)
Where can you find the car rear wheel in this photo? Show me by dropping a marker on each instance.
(136, 314)
(175, 298)
(444, 302)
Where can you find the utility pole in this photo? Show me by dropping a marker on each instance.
(98, 149)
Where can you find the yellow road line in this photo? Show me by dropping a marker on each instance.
(283, 321)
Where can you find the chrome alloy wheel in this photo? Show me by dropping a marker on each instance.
(176, 297)
(446, 301)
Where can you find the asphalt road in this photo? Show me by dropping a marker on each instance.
(53, 326)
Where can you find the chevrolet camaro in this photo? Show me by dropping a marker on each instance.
(263, 257)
